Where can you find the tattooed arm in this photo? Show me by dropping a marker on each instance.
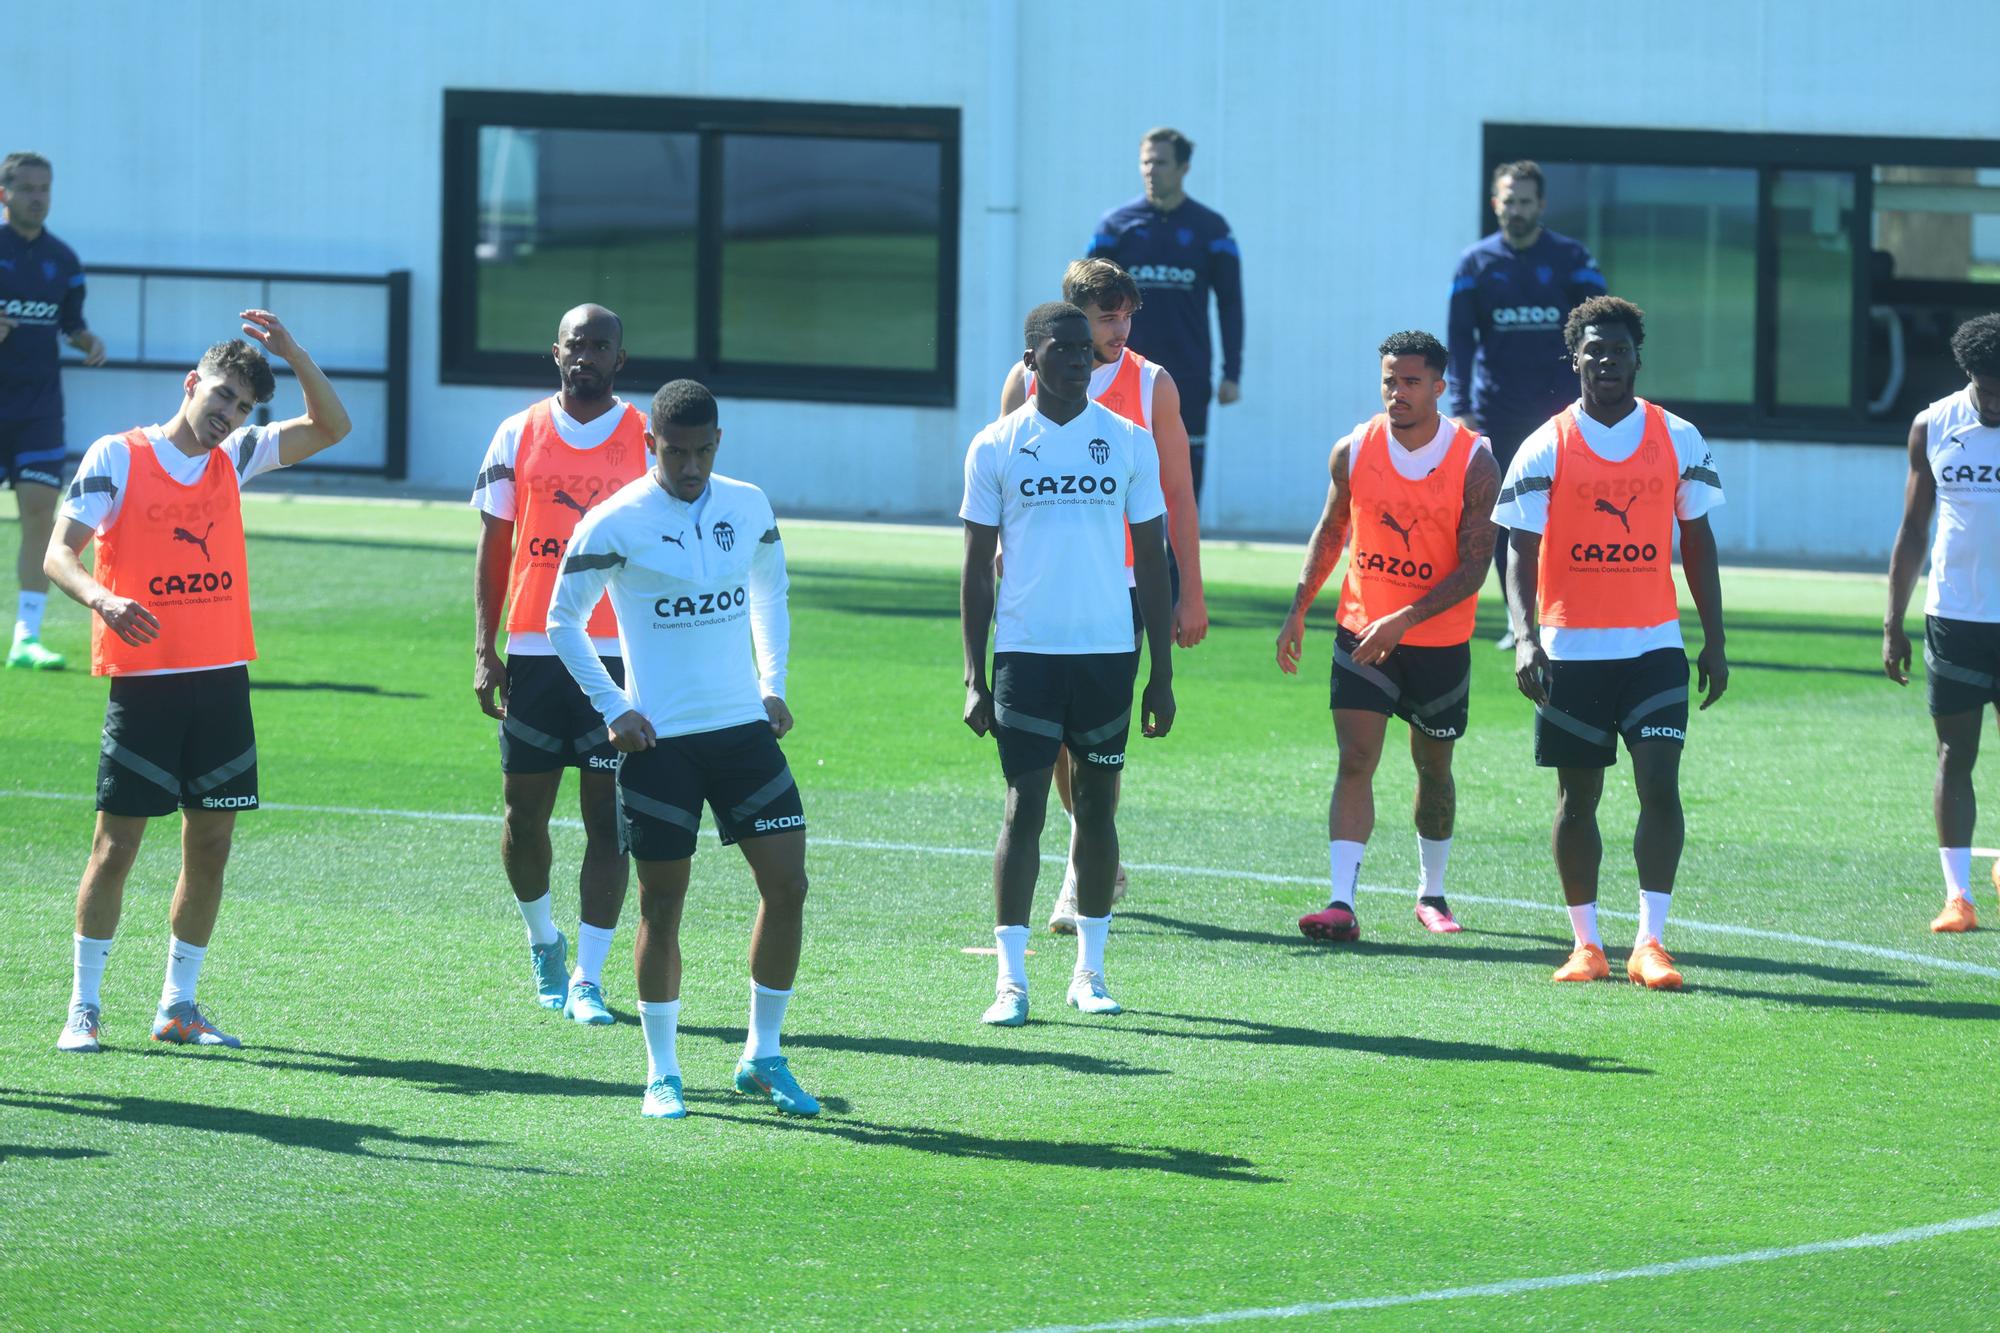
(1476, 534)
(1329, 538)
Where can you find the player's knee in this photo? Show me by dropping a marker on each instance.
(660, 904)
(784, 893)
(1096, 803)
(115, 848)
(1359, 761)
(1027, 808)
(207, 843)
(1956, 758)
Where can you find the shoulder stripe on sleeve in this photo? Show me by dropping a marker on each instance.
(83, 486)
(498, 472)
(580, 562)
(770, 535)
(246, 451)
(1464, 283)
(1587, 275)
(1524, 486)
(1705, 475)
(1224, 245)
(76, 279)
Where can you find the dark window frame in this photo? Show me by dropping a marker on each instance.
(466, 112)
(1768, 155)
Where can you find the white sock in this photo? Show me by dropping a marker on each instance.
(1068, 893)
(767, 1015)
(183, 970)
(593, 944)
(1012, 943)
(28, 618)
(1432, 853)
(1957, 872)
(1653, 915)
(541, 924)
(89, 970)
(1583, 922)
(1090, 933)
(660, 1020)
(1344, 859)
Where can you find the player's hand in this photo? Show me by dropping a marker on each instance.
(631, 732)
(781, 716)
(1380, 639)
(267, 329)
(90, 345)
(1711, 673)
(1227, 392)
(1156, 708)
(979, 709)
(1290, 640)
(1531, 670)
(1190, 618)
(128, 620)
(1896, 654)
(6, 327)
(489, 683)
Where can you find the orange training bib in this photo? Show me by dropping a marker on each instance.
(1403, 537)
(554, 487)
(1607, 552)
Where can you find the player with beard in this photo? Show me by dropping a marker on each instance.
(545, 469)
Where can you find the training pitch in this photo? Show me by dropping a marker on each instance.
(1411, 1131)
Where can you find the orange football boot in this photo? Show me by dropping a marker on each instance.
(1586, 963)
(1958, 915)
(1652, 966)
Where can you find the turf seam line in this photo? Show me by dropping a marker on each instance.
(1206, 872)
(1519, 1286)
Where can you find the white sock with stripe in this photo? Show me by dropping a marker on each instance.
(28, 615)
(88, 975)
(1957, 862)
(1344, 868)
(183, 971)
(660, 1021)
(593, 946)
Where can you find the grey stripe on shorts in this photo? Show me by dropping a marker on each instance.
(1039, 726)
(1111, 728)
(1555, 717)
(764, 795)
(1345, 660)
(646, 805)
(141, 765)
(1677, 695)
(216, 777)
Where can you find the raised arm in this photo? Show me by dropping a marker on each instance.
(489, 594)
(975, 614)
(325, 423)
(1329, 539)
(1907, 556)
(1476, 534)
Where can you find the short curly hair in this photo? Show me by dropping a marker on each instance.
(239, 359)
(1042, 320)
(1604, 310)
(1415, 342)
(682, 403)
(1976, 346)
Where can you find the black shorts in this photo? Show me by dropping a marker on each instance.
(1592, 704)
(32, 451)
(549, 723)
(1042, 701)
(739, 771)
(1429, 688)
(1961, 664)
(182, 741)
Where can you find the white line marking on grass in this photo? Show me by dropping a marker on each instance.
(1520, 1285)
(1203, 872)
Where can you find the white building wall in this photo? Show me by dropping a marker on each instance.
(1342, 141)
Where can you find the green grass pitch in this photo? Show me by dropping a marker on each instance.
(406, 1139)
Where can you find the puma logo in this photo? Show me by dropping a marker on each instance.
(564, 498)
(1035, 453)
(1606, 507)
(1389, 522)
(675, 540)
(183, 535)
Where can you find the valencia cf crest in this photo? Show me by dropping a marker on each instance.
(725, 536)
(614, 454)
(1099, 451)
(1544, 274)
(1649, 452)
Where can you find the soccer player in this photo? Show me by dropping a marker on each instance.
(1415, 492)
(1591, 502)
(1509, 298)
(1954, 451)
(171, 592)
(41, 297)
(1144, 394)
(546, 468)
(697, 576)
(1179, 251)
(1056, 481)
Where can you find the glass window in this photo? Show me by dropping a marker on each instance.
(1812, 216)
(830, 251)
(567, 216)
(1935, 263)
(1681, 243)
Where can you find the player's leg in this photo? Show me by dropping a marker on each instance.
(1097, 721)
(527, 801)
(100, 899)
(1579, 854)
(1030, 694)
(1362, 697)
(1960, 683)
(1657, 840)
(601, 885)
(656, 959)
(778, 863)
(1062, 921)
(1435, 815)
(36, 479)
(205, 841)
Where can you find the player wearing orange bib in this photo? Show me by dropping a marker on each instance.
(1413, 490)
(1592, 500)
(546, 468)
(1144, 394)
(171, 591)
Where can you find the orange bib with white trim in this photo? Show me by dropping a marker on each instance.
(555, 485)
(1403, 537)
(1607, 551)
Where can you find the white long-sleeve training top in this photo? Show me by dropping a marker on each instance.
(698, 587)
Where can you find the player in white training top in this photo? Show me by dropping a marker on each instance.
(1955, 472)
(696, 575)
(1056, 481)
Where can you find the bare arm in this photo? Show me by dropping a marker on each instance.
(1014, 393)
(1183, 518)
(975, 613)
(1329, 539)
(1156, 608)
(63, 564)
(1907, 556)
(489, 594)
(1524, 567)
(325, 423)
(1704, 578)
(1476, 534)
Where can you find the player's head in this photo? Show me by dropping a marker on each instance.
(1108, 298)
(1976, 348)
(1164, 155)
(1517, 199)
(682, 433)
(589, 351)
(1059, 353)
(1604, 335)
(1413, 364)
(26, 180)
(230, 379)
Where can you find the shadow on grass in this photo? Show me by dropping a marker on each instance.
(346, 1138)
(333, 687)
(1970, 1010)
(21, 1151)
(951, 1051)
(1253, 1033)
(439, 1076)
(1029, 1152)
